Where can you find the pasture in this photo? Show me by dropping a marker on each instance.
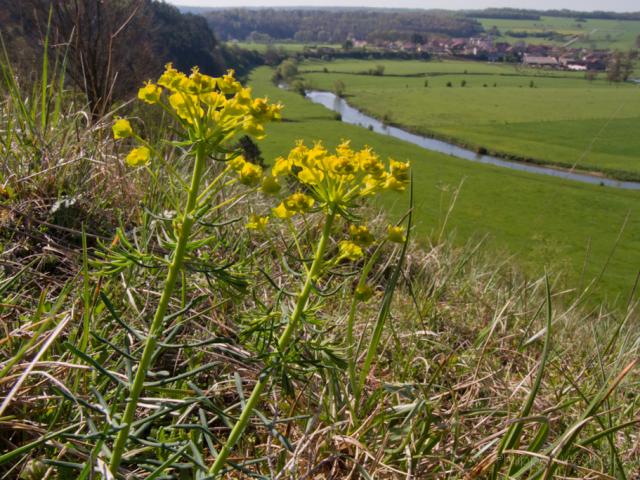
(541, 221)
(587, 33)
(288, 47)
(553, 117)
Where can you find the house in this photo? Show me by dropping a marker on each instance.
(536, 61)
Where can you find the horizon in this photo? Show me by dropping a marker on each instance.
(618, 6)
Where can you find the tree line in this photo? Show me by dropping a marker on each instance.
(336, 25)
(526, 14)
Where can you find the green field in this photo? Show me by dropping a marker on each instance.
(541, 220)
(554, 117)
(592, 33)
(288, 47)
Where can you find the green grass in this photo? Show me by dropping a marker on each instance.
(593, 33)
(564, 119)
(541, 220)
(289, 47)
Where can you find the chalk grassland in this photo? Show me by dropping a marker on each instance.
(592, 33)
(542, 221)
(553, 117)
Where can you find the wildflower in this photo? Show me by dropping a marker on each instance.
(392, 183)
(150, 93)
(282, 166)
(337, 180)
(122, 129)
(349, 250)
(399, 170)
(228, 84)
(361, 235)
(250, 174)
(281, 211)
(199, 83)
(186, 107)
(299, 203)
(254, 128)
(310, 176)
(257, 222)
(138, 156)
(396, 234)
(363, 293)
(237, 163)
(270, 185)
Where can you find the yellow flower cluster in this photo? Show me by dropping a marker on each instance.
(211, 109)
(336, 180)
(216, 108)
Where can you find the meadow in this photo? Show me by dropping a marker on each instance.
(541, 221)
(554, 117)
(288, 47)
(589, 33)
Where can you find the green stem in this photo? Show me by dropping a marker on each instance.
(352, 353)
(158, 319)
(283, 343)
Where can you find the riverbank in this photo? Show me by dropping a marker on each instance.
(350, 114)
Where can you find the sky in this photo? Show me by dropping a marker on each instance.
(582, 5)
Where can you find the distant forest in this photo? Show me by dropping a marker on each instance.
(524, 14)
(335, 25)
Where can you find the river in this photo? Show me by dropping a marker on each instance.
(354, 116)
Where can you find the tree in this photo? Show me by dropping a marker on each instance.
(287, 70)
(339, 88)
(620, 66)
(99, 38)
(112, 47)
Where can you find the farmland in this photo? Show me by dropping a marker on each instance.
(549, 116)
(542, 221)
(587, 33)
(288, 47)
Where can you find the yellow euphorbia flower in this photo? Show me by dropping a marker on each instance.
(337, 180)
(150, 93)
(399, 170)
(187, 107)
(237, 163)
(138, 156)
(257, 222)
(396, 234)
(122, 129)
(282, 166)
(281, 211)
(299, 203)
(250, 174)
(349, 250)
(361, 235)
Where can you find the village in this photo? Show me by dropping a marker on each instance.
(483, 48)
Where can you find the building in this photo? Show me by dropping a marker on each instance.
(536, 61)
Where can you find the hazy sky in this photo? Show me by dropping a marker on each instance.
(616, 5)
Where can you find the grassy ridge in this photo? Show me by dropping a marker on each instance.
(557, 117)
(542, 220)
